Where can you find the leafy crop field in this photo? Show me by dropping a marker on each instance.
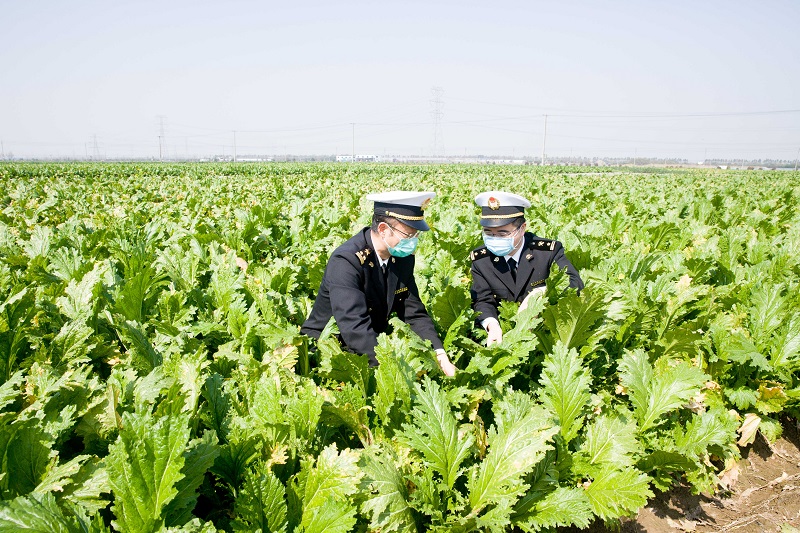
(153, 378)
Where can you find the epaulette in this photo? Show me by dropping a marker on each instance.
(543, 244)
(363, 255)
(477, 254)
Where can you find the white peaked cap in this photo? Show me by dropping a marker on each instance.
(406, 206)
(503, 199)
(411, 198)
(499, 208)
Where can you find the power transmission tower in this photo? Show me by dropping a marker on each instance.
(95, 149)
(162, 140)
(354, 142)
(437, 113)
(544, 138)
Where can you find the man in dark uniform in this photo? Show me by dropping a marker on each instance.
(513, 264)
(371, 276)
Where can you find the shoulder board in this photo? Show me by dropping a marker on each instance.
(363, 255)
(478, 253)
(543, 244)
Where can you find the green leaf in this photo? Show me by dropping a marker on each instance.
(58, 476)
(327, 490)
(385, 492)
(70, 345)
(235, 457)
(9, 391)
(767, 311)
(785, 352)
(743, 398)
(261, 504)
(195, 526)
(198, 459)
(448, 306)
(29, 457)
(346, 406)
(661, 464)
(609, 441)
(516, 443)
(565, 388)
(714, 427)
(656, 391)
(572, 318)
(617, 493)
(303, 410)
(39, 244)
(395, 380)
(144, 467)
(737, 348)
(137, 294)
(190, 375)
(216, 415)
(38, 513)
(346, 367)
(143, 355)
(89, 487)
(79, 300)
(434, 433)
(565, 506)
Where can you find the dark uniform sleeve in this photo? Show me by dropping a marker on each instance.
(417, 317)
(483, 301)
(561, 260)
(349, 307)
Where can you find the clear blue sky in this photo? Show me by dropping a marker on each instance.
(616, 78)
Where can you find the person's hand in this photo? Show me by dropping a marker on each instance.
(444, 363)
(494, 333)
(524, 304)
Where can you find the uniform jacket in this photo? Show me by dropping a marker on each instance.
(352, 291)
(492, 281)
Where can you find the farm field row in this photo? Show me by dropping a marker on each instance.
(153, 377)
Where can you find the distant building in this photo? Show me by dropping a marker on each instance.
(359, 158)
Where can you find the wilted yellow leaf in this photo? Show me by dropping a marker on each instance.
(748, 429)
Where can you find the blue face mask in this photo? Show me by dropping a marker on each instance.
(404, 248)
(500, 246)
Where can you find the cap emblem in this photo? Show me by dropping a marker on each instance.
(425, 204)
(494, 203)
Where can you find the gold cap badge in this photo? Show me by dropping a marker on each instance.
(493, 203)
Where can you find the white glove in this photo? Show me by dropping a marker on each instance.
(524, 304)
(494, 333)
(444, 363)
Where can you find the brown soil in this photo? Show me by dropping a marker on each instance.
(766, 496)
